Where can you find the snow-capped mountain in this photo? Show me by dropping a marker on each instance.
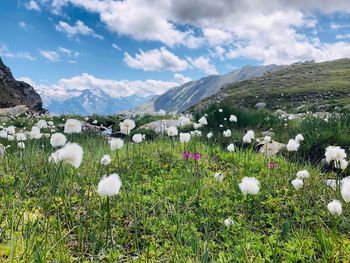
(92, 101)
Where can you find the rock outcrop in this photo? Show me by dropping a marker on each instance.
(13, 92)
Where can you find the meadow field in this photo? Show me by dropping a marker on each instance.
(199, 193)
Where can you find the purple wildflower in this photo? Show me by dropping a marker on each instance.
(196, 156)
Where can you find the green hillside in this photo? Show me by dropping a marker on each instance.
(299, 87)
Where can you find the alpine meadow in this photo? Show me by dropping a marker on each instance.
(174, 131)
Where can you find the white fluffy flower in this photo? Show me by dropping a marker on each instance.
(345, 190)
(231, 147)
(106, 160)
(227, 133)
(228, 222)
(126, 126)
(71, 153)
(109, 185)
(137, 138)
(203, 120)
(185, 137)
(197, 125)
(220, 110)
(3, 134)
(196, 133)
(72, 126)
(249, 136)
(21, 145)
(21, 137)
(11, 130)
(209, 135)
(219, 177)
(292, 145)
(172, 131)
(233, 118)
(42, 124)
(10, 137)
(303, 174)
(338, 155)
(116, 144)
(184, 121)
(299, 138)
(335, 208)
(249, 185)
(95, 122)
(35, 133)
(297, 183)
(58, 139)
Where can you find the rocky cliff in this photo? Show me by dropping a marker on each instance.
(13, 92)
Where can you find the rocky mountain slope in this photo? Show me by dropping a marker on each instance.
(181, 98)
(298, 87)
(13, 92)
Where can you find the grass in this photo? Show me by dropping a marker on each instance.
(307, 86)
(169, 209)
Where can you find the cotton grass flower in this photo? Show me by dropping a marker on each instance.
(105, 160)
(249, 185)
(137, 138)
(10, 137)
(58, 139)
(21, 137)
(337, 155)
(299, 138)
(292, 145)
(116, 144)
(72, 126)
(248, 137)
(345, 190)
(197, 125)
(219, 177)
(335, 208)
(183, 121)
(233, 118)
(185, 137)
(203, 121)
(227, 133)
(109, 185)
(297, 183)
(172, 131)
(21, 145)
(210, 135)
(71, 153)
(35, 133)
(11, 130)
(42, 124)
(231, 147)
(228, 222)
(126, 126)
(303, 174)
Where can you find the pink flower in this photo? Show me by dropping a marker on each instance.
(187, 155)
(272, 165)
(196, 156)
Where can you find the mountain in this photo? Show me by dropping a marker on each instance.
(15, 92)
(94, 101)
(181, 98)
(299, 87)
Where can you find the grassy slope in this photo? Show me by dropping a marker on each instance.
(168, 210)
(318, 86)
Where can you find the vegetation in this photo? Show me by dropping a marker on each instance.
(169, 208)
(300, 87)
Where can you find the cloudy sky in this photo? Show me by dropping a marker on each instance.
(145, 47)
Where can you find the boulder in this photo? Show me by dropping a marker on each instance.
(14, 111)
(270, 148)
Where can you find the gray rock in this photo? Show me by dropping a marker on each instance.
(260, 105)
(14, 111)
(270, 148)
(161, 125)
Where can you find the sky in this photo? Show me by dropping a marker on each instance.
(144, 47)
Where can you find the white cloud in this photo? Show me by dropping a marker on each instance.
(342, 36)
(66, 88)
(181, 79)
(115, 46)
(217, 36)
(155, 60)
(52, 56)
(33, 5)
(6, 52)
(203, 63)
(58, 54)
(22, 24)
(75, 30)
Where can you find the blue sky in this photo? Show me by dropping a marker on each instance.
(146, 47)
